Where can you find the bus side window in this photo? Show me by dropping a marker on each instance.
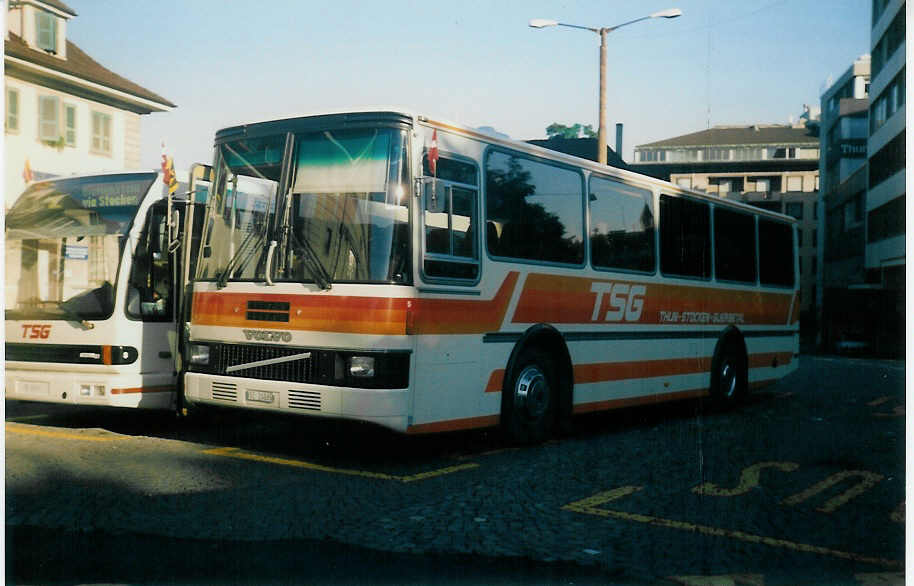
(149, 291)
(450, 218)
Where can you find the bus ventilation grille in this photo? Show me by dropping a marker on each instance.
(307, 400)
(298, 370)
(225, 392)
(268, 311)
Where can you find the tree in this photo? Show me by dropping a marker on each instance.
(556, 130)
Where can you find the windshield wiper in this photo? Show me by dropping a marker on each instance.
(243, 253)
(312, 262)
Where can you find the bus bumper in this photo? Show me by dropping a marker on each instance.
(155, 391)
(385, 407)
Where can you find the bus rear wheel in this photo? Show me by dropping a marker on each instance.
(729, 376)
(529, 401)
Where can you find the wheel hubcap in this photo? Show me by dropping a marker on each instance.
(531, 392)
(728, 379)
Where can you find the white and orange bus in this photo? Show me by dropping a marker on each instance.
(428, 277)
(95, 266)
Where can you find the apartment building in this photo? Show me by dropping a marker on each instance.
(65, 112)
(772, 166)
(884, 261)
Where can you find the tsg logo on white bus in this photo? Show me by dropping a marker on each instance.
(626, 302)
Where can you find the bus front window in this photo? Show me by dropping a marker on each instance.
(348, 216)
(242, 203)
(64, 240)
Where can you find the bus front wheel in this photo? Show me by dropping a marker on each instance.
(529, 401)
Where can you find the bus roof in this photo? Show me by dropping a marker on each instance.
(397, 115)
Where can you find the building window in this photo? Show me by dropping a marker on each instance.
(12, 109)
(69, 120)
(684, 182)
(795, 209)
(49, 118)
(46, 31)
(794, 184)
(101, 133)
(886, 221)
(762, 185)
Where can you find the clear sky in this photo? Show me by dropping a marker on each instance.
(473, 62)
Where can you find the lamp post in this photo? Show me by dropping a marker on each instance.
(603, 31)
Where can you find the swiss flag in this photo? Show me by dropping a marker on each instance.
(433, 154)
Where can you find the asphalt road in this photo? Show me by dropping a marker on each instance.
(802, 484)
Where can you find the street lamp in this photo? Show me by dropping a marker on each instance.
(603, 31)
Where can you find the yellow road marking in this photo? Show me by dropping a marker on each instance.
(868, 480)
(722, 580)
(878, 401)
(590, 506)
(748, 480)
(30, 430)
(242, 455)
(29, 417)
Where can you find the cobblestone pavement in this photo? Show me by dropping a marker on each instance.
(802, 484)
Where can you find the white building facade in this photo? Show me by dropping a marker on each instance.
(65, 114)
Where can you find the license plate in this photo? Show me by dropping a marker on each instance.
(260, 396)
(33, 387)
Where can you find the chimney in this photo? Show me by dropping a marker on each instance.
(619, 139)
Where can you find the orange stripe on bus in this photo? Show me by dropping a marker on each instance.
(106, 354)
(635, 401)
(570, 300)
(614, 371)
(361, 315)
(160, 389)
(454, 424)
(769, 359)
(463, 316)
(496, 381)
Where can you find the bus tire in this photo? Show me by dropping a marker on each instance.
(729, 374)
(529, 400)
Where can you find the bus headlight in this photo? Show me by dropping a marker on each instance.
(361, 366)
(199, 354)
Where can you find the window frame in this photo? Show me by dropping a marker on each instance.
(46, 22)
(589, 225)
(98, 115)
(67, 128)
(793, 227)
(42, 122)
(710, 236)
(438, 257)
(714, 256)
(12, 128)
(484, 179)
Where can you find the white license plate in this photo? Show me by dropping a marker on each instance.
(260, 396)
(33, 387)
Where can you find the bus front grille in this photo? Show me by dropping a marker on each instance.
(307, 400)
(296, 370)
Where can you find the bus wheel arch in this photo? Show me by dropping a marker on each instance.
(729, 381)
(541, 359)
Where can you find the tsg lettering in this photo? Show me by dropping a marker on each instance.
(626, 302)
(36, 331)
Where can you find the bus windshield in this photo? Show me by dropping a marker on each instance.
(345, 218)
(64, 240)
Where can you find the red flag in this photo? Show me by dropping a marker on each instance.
(433, 154)
(27, 172)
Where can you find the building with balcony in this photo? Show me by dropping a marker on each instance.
(842, 210)
(884, 260)
(65, 113)
(772, 166)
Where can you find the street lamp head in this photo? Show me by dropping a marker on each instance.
(669, 13)
(542, 22)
